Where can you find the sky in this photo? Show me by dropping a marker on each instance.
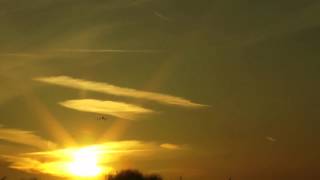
(204, 89)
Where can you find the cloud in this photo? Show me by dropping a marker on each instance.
(108, 50)
(271, 139)
(117, 109)
(111, 147)
(117, 91)
(25, 137)
(27, 55)
(170, 146)
(57, 162)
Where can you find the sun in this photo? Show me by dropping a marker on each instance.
(85, 163)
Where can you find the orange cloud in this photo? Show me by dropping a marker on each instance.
(117, 109)
(25, 137)
(170, 146)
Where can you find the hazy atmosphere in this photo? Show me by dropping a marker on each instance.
(192, 90)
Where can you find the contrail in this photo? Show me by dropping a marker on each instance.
(161, 16)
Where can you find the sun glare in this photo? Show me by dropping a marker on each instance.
(85, 163)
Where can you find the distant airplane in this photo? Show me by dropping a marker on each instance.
(103, 118)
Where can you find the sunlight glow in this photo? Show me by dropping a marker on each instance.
(85, 163)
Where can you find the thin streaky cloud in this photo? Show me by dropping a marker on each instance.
(110, 147)
(55, 51)
(26, 55)
(106, 88)
(170, 146)
(117, 109)
(108, 50)
(25, 137)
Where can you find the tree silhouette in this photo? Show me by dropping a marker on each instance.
(133, 175)
(153, 177)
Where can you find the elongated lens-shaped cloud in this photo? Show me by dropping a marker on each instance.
(25, 137)
(117, 109)
(117, 91)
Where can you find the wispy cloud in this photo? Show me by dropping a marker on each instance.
(117, 109)
(170, 146)
(117, 91)
(55, 52)
(25, 137)
(108, 50)
(27, 55)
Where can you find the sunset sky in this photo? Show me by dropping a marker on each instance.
(202, 89)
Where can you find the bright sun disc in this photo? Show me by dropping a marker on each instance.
(85, 163)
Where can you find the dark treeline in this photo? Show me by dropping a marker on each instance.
(5, 178)
(122, 175)
(132, 175)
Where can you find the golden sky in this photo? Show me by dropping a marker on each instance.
(201, 89)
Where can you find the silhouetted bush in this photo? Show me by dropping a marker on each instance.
(153, 177)
(133, 175)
